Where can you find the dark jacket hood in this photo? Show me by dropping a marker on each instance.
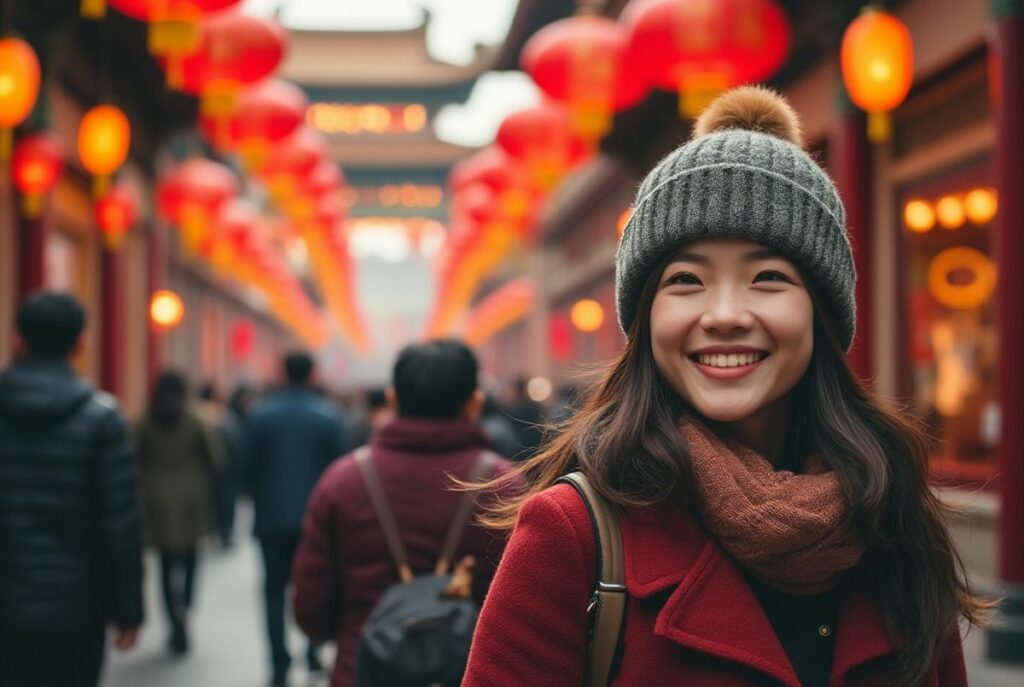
(39, 393)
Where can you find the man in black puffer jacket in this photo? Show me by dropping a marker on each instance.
(70, 535)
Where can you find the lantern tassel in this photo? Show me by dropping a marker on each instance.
(879, 127)
(100, 185)
(32, 205)
(6, 143)
(93, 9)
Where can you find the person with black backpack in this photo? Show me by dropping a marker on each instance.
(392, 564)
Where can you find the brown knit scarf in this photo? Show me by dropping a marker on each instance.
(789, 530)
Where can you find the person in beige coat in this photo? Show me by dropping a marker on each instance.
(178, 453)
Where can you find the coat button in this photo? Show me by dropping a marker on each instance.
(825, 631)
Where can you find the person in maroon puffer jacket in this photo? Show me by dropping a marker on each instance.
(343, 565)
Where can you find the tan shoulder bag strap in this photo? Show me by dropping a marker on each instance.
(608, 603)
(482, 468)
(384, 515)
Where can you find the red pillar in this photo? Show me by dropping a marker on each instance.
(156, 276)
(112, 324)
(32, 234)
(1006, 639)
(849, 156)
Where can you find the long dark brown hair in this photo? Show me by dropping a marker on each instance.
(625, 438)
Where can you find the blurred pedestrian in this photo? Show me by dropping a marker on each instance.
(293, 435)
(499, 428)
(528, 418)
(230, 432)
(179, 456)
(344, 564)
(777, 525)
(70, 536)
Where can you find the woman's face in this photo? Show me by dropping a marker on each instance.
(731, 327)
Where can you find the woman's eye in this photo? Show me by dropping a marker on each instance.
(771, 275)
(683, 278)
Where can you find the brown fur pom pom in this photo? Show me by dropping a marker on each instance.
(753, 108)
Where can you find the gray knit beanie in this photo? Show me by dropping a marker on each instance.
(743, 175)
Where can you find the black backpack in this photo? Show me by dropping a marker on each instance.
(416, 636)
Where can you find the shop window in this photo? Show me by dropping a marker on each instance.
(950, 332)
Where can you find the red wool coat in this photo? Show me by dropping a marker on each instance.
(691, 617)
(342, 565)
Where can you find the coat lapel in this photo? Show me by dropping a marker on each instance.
(711, 608)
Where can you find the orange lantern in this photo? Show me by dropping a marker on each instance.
(104, 137)
(19, 88)
(544, 140)
(877, 58)
(699, 48)
(588, 63)
(587, 315)
(174, 27)
(166, 311)
(115, 215)
(37, 164)
(190, 196)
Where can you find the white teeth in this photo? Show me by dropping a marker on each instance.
(730, 360)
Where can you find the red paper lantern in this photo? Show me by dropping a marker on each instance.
(36, 165)
(544, 140)
(235, 218)
(19, 88)
(587, 62)
(235, 49)
(324, 179)
(877, 59)
(190, 195)
(115, 215)
(292, 159)
(243, 336)
(266, 113)
(174, 28)
(699, 48)
(515, 197)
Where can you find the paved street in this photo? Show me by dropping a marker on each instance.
(228, 644)
(229, 649)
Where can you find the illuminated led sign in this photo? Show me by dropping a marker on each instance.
(350, 118)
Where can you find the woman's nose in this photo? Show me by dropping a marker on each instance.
(727, 312)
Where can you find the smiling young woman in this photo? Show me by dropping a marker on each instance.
(777, 525)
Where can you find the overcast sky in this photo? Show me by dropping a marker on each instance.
(456, 25)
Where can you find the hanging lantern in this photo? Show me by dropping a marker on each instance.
(496, 170)
(290, 160)
(877, 58)
(93, 9)
(19, 88)
(588, 63)
(267, 112)
(544, 140)
(235, 49)
(166, 311)
(174, 28)
(323, 180)
(104, 137)
(699, 48)
(190, 195)
(115, 215)
(36, 166)
(236, 219)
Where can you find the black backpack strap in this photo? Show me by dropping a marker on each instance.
(608, 603)
(385, 517)
(483, 468)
